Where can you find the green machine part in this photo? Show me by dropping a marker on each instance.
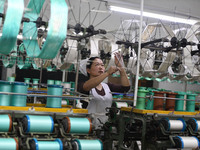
(8, 62)
(11, 25)
(57, 29)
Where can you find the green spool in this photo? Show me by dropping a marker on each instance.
(34, 123)
(79, 144)
(46, 145)
(8, 144)
(5, 123)
(19, 100)
(11, 79)
(27, 81)
(179, 104)
(35, 82)
(58, 82)
(72, 125)
(190, 105)
(5, 87)
(54, 102)
(141, 99)
(149, 104)
(50, 82)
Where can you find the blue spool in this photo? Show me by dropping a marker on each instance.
(5, 86)
(34, 123)
(19, 100)
(170, 125)
(195, 124)
(187, 142)
(79, 144)
(44, 145)
(54, 102)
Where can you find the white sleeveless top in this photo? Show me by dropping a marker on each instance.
(99, 103)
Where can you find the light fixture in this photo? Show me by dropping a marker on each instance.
(153, 15)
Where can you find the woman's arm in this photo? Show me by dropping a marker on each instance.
(93, 82)
(124, 78)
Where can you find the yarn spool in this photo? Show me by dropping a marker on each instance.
(54, 102)
(35, 83)
(195, 124)
(50, 82)
(9, 143)
(27, 81)
(79, 144)
(179, 104)
(5, 123)
(190, 103)
(150, 102)
(186, 142)
(66, 87)
(140, 104)
(120, 104)
(34, 123)
(170, 103)
(11, 79)
(173, 125)
(77, 125)
(158, 101)
(58, 82)
(19, 100)
(5, 99)
(45, 145)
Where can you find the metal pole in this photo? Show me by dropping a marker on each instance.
(41, 74)
(77, 71)
(77, 68)
(63, 76)
(185, 87)
(138, 58)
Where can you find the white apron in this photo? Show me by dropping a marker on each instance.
(98, 105)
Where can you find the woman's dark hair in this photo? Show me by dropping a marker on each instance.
(89, 63)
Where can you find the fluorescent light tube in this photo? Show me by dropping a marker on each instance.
(153, 15)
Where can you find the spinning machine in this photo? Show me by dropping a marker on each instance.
(49, 116)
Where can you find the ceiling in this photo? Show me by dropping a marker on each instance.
(102, 18)
(98, 14)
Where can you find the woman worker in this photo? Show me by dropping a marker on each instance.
(100, 91)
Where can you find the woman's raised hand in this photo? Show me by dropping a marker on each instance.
(119, 60)
(112, 70)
